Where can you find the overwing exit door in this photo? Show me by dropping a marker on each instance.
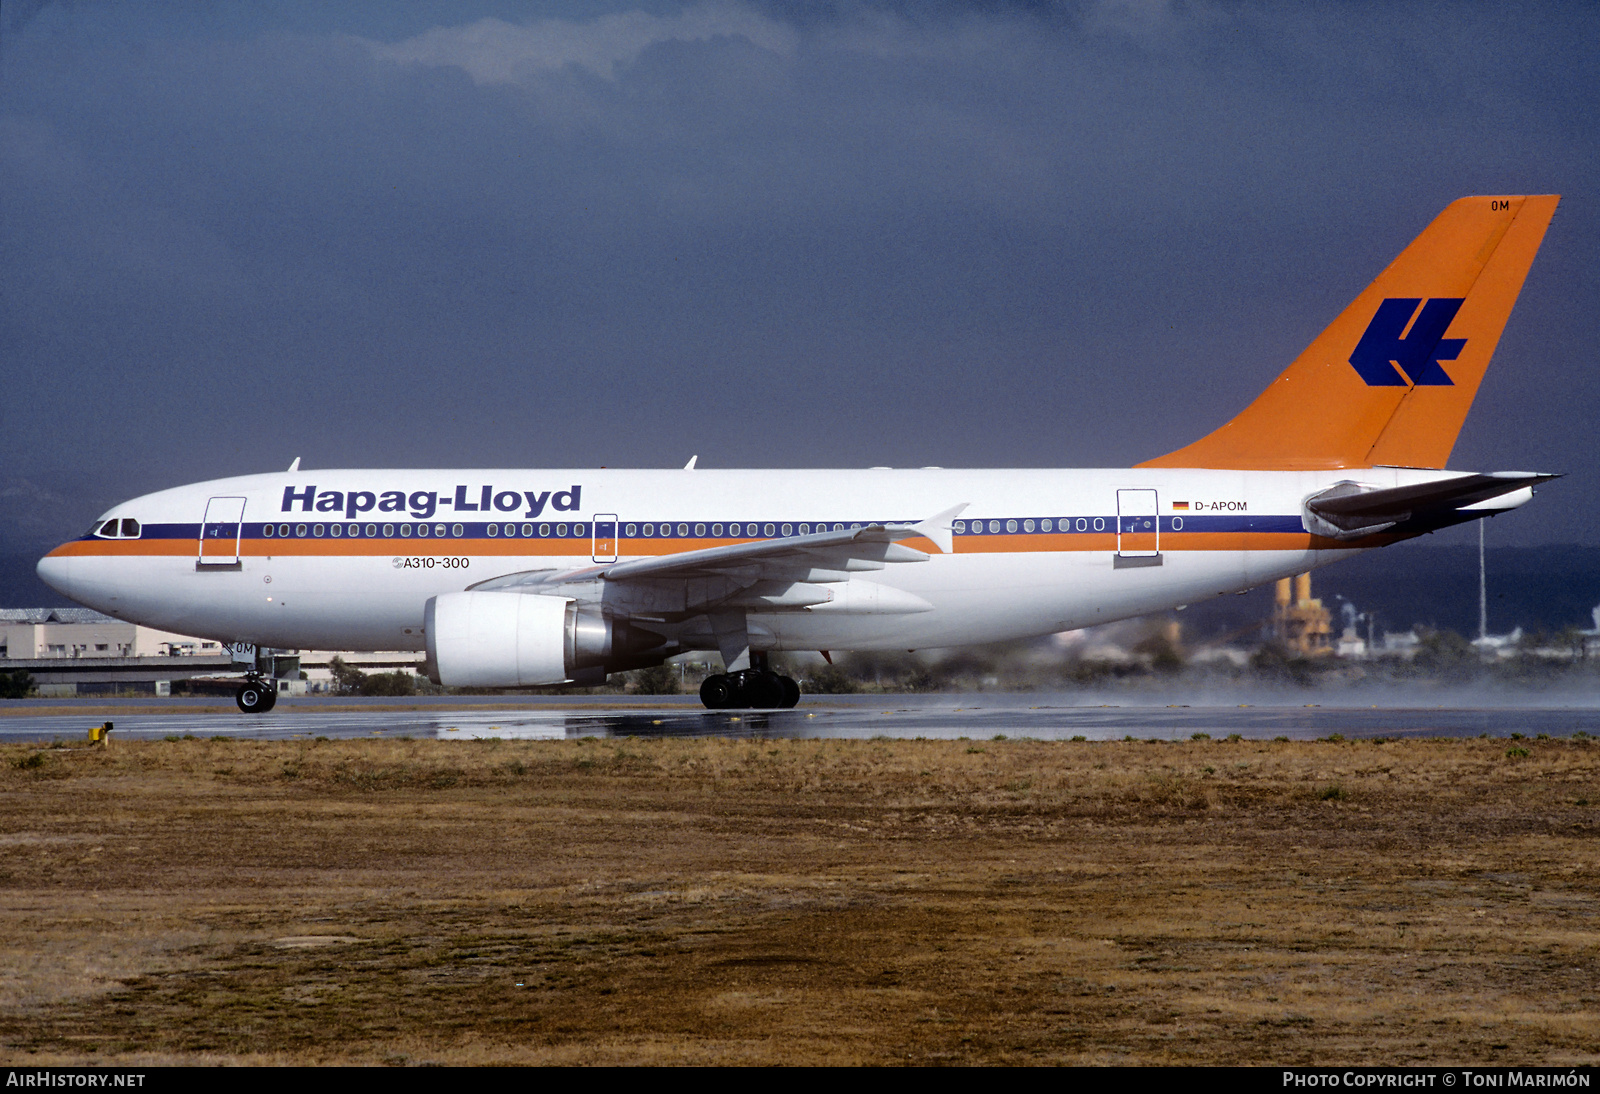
(219, 534)
(605, 537)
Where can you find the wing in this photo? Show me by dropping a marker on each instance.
(872, 544)
(790, 573)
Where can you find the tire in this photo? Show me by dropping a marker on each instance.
(791, 692)
(255, 698)
(272, 699)
(717, 692)
(765, 690)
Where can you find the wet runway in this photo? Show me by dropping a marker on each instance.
(1043, 717)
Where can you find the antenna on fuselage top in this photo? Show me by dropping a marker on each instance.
(295, 466)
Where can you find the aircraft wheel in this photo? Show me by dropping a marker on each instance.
(255, 697)
(791, 692)
(272, 697)
(717, 692)
(764, 689)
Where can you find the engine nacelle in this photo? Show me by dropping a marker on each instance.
(508, 640)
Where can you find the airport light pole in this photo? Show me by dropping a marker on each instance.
(1483, 593)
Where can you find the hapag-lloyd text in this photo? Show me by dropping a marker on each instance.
(422, 504)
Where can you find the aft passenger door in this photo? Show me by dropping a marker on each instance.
(1138, 528)
(219, 534)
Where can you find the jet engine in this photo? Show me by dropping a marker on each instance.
(508, 640)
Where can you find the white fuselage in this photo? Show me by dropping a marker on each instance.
(338, 559)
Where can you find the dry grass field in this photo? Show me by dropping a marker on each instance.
(801, 901)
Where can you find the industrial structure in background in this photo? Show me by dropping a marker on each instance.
(1299, 621)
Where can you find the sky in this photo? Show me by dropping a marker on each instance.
(501, 234)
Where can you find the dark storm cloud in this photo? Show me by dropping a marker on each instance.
(491, 235)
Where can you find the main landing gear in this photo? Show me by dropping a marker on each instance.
(256, 695)
(750, 688)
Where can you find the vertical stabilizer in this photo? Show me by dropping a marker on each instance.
(1391, 380)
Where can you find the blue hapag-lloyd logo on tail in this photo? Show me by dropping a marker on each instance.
(1418, 352)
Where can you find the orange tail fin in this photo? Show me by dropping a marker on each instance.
(1391, 380)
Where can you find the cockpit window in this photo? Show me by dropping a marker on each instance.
(120, 528)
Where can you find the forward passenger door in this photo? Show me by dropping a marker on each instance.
(220, 533)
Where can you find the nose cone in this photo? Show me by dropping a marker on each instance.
(53, 570)
(74, 576)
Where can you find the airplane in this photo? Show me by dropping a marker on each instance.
(516, 578)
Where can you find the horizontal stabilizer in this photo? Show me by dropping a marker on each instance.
(1348, 510)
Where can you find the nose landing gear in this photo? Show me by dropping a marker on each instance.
(256, 695)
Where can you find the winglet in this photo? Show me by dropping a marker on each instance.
(937, 528)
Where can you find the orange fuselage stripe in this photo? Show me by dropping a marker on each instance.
(1022, 543)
